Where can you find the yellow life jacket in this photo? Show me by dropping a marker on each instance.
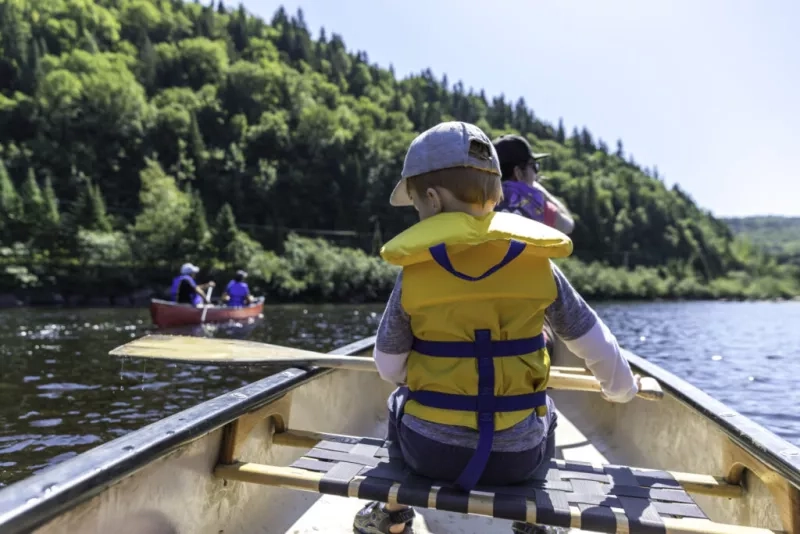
(476, 289)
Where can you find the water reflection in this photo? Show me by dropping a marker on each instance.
(60, 392)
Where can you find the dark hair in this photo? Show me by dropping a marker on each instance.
(508, 170)
(513, 151)
(240, 276)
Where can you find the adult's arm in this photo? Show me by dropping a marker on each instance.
(200, 289)
(587, 336)
(561, 218)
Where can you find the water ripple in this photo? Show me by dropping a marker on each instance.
(62, 394)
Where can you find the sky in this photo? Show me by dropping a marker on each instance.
(706, 90)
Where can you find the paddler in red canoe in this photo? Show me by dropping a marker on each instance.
(185, 290)
(237, 293)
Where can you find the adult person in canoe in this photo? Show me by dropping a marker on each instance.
(523, 192)
(237, 293)
(439, 321)
(185, 290)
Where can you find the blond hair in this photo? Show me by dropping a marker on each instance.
(469, 185)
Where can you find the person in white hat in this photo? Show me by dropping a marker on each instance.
(185, 290)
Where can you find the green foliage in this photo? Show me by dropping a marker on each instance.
(197, 237)
(52, 217)
(10, 207)
(89, 210)
(141, 116)
(165, 208)
(777, 236)
(103, 248)
(314, 269)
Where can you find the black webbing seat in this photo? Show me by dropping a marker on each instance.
(600, 498)
(602, 495)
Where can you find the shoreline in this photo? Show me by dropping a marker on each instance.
(57, 301)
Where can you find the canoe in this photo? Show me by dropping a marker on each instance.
(285, 454)
(168, 314)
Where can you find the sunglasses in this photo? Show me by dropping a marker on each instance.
(534, 165)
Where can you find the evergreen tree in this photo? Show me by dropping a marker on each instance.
(225, 229)
(575, 141)
(561, 135)
(51, 213)
(89, 210)
(197, 147)
(10, 208)
(148, 64)
(33, 206)
(586, 140)
(197, 237)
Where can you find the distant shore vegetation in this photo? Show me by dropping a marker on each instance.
(139, 134)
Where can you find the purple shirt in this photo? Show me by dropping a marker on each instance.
(528, 201)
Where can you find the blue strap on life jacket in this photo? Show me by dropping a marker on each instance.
(485, 403)
(484, 350)
(439, 254)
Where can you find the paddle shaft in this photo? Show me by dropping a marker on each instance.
(188, 349)
(560, 378)
(207, 304)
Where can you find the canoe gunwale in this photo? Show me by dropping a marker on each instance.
(32, 502)
(774, 451)
(168, 303)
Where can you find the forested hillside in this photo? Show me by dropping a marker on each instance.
(138, 134)
(779, 236)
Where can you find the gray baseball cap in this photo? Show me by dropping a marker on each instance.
(446, 145)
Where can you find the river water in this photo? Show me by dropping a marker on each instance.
(61, 394)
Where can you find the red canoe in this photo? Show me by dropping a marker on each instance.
(167, 314)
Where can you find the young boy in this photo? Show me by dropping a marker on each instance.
(461, 333)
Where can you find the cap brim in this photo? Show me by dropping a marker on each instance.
(400, 195)
(541, 155)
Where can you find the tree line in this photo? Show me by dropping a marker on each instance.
(138, 134)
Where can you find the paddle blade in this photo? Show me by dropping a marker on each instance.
(212, 350)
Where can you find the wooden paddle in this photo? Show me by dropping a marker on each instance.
(237, 352)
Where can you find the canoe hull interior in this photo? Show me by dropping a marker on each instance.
(177, 493)
(671, 435)
(166, 314)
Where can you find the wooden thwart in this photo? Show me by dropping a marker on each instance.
(233, 351)
(601, 498)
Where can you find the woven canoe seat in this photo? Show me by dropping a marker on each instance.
(601, 498)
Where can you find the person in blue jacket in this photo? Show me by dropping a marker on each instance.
(185, 290)
(237, 293)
